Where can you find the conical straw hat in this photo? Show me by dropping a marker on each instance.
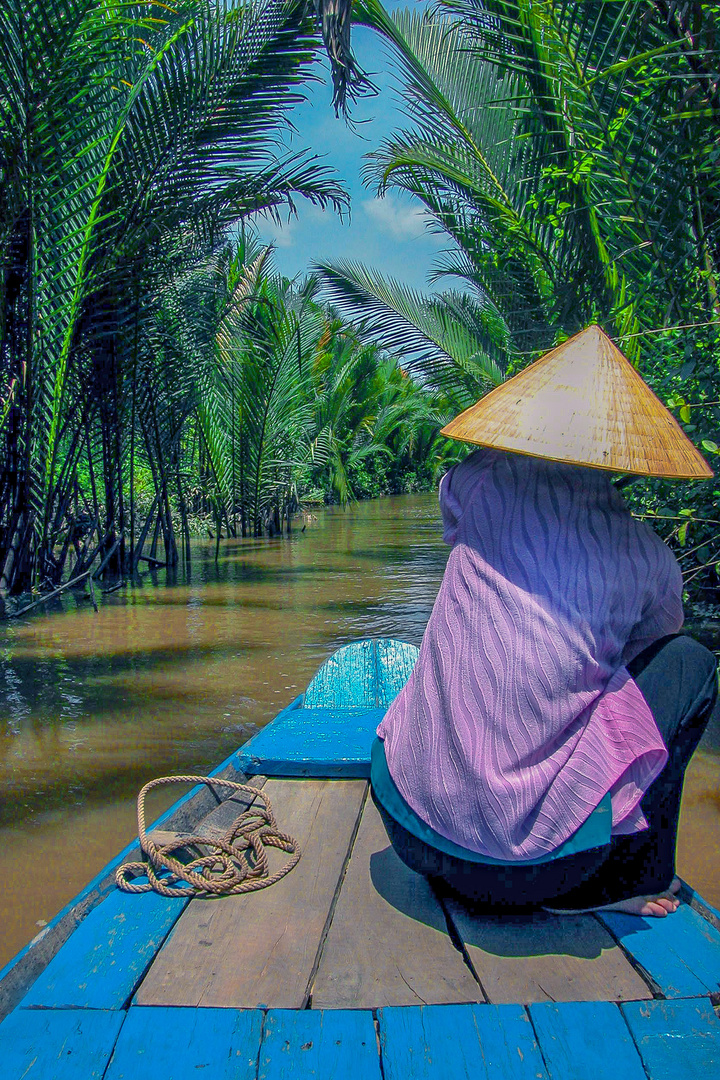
(584, 403)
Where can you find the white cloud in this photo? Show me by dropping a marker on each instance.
(400, 220)
(282, 235)
(318, 214)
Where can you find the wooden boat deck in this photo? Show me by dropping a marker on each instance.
(352, 964)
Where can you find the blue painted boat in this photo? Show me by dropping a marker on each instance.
(351, 964)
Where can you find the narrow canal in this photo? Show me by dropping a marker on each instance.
(172, 674)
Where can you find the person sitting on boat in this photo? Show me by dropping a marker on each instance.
(537, 753)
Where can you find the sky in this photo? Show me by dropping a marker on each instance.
(388, 234)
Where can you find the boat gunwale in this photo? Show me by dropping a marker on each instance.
(20, 973)
(28, 964)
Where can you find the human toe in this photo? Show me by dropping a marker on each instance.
(660, 906)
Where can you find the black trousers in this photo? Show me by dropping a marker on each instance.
(678, 678)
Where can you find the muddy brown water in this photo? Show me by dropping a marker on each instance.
(176, 671)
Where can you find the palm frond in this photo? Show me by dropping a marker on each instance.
(448, 338)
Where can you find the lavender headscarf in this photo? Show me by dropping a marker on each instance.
(520, 715)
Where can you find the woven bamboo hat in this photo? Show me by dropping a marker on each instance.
(584, 403)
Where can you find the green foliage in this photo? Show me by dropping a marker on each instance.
(132, 137)
(569, 151)
(682, 368)
(299, 405)
(383, 425)
(454, 342)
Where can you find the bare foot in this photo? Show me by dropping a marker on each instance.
(657, 906)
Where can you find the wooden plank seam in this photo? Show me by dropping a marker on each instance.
(100, 965)
(683, 955)
(457, 941)
(150, 961)
(307, 1000)
(678, 1038)
(697, 903)
(388, 943)
(59, 1044)
(652, 985)
(543, 1055)
(19, 974)
(262, 1040)
(592, 1034)
(465, 1041)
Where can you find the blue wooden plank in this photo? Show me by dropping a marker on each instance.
(314, 742)
(331, 733)
(58, 1044)
(175, 1044)
(347, 680)
(681, 952)
(477, 1042)
(676, 1039)
(696, 898)
(585, 1040)
(395, 661)
(101, 883)
(335, 1043)
(102, 962)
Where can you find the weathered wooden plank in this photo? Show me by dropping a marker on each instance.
(100, 965)
(586, 1040)
(17, 976)
(681, 952)
(477, 1042)
(176, 1044)
(699, 904)
(219, 820)
(676, 1039)
(314, 742)
(260, 948)
(395, 661)
(347, 680)
(388, 943)
(327, 1045)
(57, 1044)
(541, 957)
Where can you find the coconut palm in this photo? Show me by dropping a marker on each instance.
(275, 433)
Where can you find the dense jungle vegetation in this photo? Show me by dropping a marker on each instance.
(570, 153)
(158, 378)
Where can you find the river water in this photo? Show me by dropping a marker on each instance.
(173, 673)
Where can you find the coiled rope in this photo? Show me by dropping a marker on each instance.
(236, 861)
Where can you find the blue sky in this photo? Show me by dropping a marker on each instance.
(387, 234)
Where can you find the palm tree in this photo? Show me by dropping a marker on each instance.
(132, 138)
(376, 422)
(292, 401)
(568, 152)
(275, 433)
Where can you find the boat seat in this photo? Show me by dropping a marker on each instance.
(328, 731)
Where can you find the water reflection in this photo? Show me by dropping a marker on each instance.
(176, 671)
